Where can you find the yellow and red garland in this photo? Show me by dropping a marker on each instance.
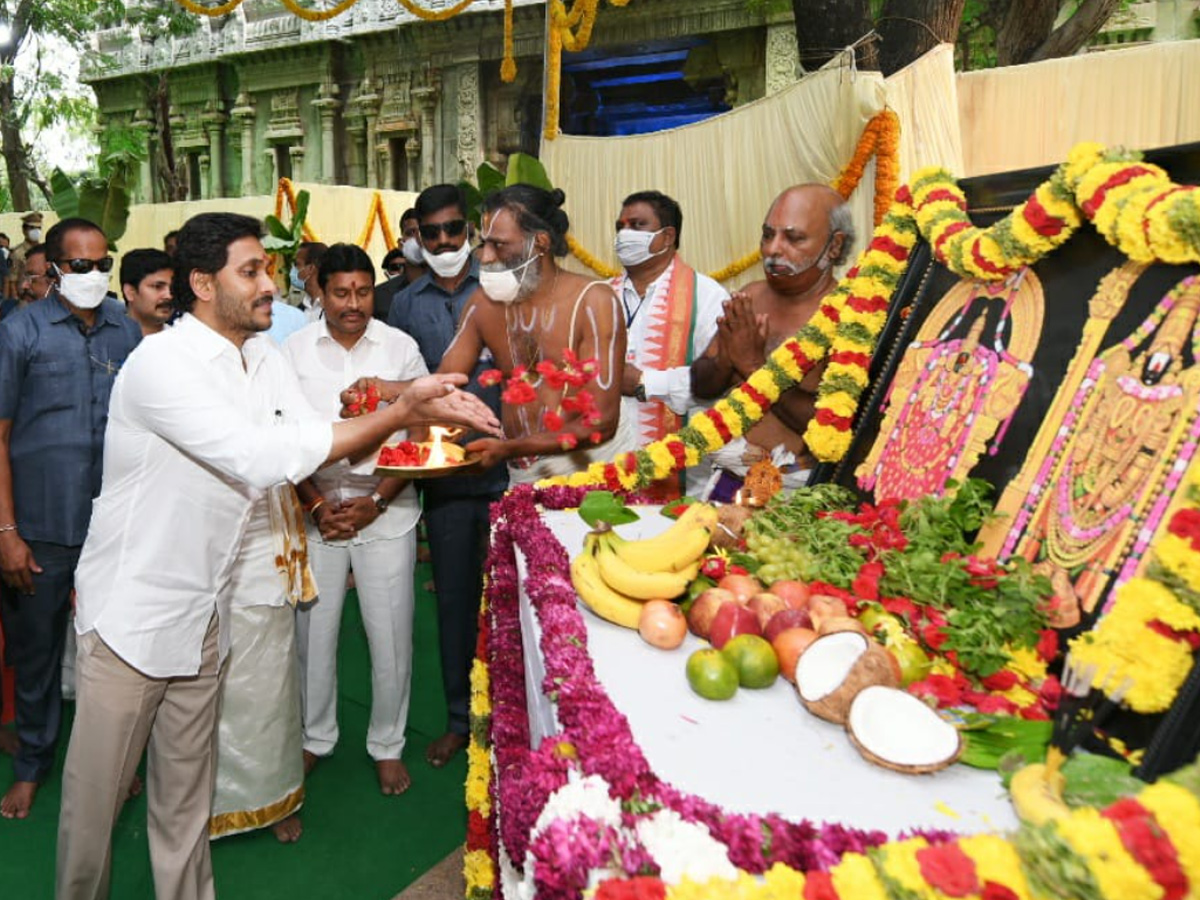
(1133, 204)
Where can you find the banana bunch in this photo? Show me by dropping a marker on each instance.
(614, 576)
(1037, 791)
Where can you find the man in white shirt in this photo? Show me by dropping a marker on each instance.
(671, 314)
(185, 456)
(359, 521)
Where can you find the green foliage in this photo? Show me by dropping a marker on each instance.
(522, 169)
(104, 201)
(286, 239)
(605, 506)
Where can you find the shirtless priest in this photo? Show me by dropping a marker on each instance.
(529, 310)
(807, 231)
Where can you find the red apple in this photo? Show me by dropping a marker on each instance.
(704, 608)
(764, 606)
(794, 593)
(788, 618)
(731, 620)
(743, 586)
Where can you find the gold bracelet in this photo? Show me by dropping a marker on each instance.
(312, 510)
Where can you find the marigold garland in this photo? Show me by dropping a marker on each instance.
(478, 869)
(1092, 183)
(313, 15)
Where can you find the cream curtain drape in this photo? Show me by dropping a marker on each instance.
(924, 96)
(1025, 116)
(724, 171)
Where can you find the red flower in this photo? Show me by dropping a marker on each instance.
(989, 704)
(1003, 680)
(1047, 645)
(713, 567)
(933, 636)
(1040, 220)
(945, 690)
(1050, 692)
(1034, 713)
(640, 887)
(567, 441)
(866, 584)
(518, 392)
(993, 890)
(595, 437)
(832, 419)
(489, 377)
(552, 421)
(819, 886)
(947, 868)
(1191, 638)
(901, 607)
(550, 372)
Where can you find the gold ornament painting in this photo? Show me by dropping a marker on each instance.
(957, 387)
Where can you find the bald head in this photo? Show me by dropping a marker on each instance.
(807, 231)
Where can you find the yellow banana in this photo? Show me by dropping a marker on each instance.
(635, 583)
(1036, 792)
(595, 592)
(677, 548)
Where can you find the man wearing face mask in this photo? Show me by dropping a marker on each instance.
(455, 508)
(403, 266)
(806, 233)
(59, 358)
(303, 277)
(31, 229)
(671, 313)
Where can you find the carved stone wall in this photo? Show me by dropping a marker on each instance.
(783, 57)
(470, 153)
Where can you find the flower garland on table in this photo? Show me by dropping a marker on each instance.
(1151, 635)
(595, 737)
(1134, 205)
(479, 871)
(1140, 848)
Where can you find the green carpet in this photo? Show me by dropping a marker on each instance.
(356, 844)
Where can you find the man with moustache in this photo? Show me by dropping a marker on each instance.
(359, 522)
(455, 507)
(807, 231)
(204, 421)
(37, 279)
(146, 287)
(59, 359)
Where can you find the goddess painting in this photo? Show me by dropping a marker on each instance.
(1107, 460)
(956, 388)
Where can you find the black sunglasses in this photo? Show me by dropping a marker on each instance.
(83, 266)
(453, 229)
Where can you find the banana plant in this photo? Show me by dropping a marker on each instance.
(104, 201)
(286, 239)
(522, 169)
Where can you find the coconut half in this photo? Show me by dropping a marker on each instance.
(835, 668)
(894, 729)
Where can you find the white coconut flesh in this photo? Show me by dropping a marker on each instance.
(899, 729)
(826, 664)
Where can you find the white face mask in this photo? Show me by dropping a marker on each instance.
(411, 248)
(447, 265)
(35, 235)
(503, 285)
(633, 247)
(84, 291)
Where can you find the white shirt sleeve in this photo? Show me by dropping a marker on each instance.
(193, 411)
(674, 386)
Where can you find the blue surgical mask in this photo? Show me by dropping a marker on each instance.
(296, 280)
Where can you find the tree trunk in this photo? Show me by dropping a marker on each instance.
(909, 28)
(826, 27)
(174, 183)
(1025, 28)
(1073, 35)
(16, 157)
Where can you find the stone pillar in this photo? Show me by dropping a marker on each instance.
(426, 98)
(243, 114)
(368, 103)
(143, 125)
(412, 153)
(469, 121)
(205, 162)
(296, 152)
(356, 128)
(326, 105)
(214, 125)
(783, 57)
(383, 155)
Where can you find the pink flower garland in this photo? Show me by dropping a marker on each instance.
(595, 736)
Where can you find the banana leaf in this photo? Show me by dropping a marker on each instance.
(489, 178)
(526, 169)
(64, 198)
(106, 204)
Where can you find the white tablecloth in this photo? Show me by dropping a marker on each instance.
(760, 752)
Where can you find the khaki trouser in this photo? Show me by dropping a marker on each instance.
(117, 710)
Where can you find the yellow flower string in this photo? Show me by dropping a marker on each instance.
(313, 15)
(210, 11)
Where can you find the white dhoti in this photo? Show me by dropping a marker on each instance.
(260, 760)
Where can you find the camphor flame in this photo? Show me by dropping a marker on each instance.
(437, 455)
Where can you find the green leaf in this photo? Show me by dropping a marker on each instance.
(301, 215)
(474, 202)
(277, 229)
(605, 506)
(273, 244)
(526, 169)
(64, 198)
(107, 205)
(1098, 781)
(489, 178)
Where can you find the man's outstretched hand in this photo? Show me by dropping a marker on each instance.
(435, 399)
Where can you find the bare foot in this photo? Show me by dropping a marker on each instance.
(9, 742)
(443, 749)
(393, 777)
(19, 800)
(135, 787)
(289, 830)
(310, 761)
